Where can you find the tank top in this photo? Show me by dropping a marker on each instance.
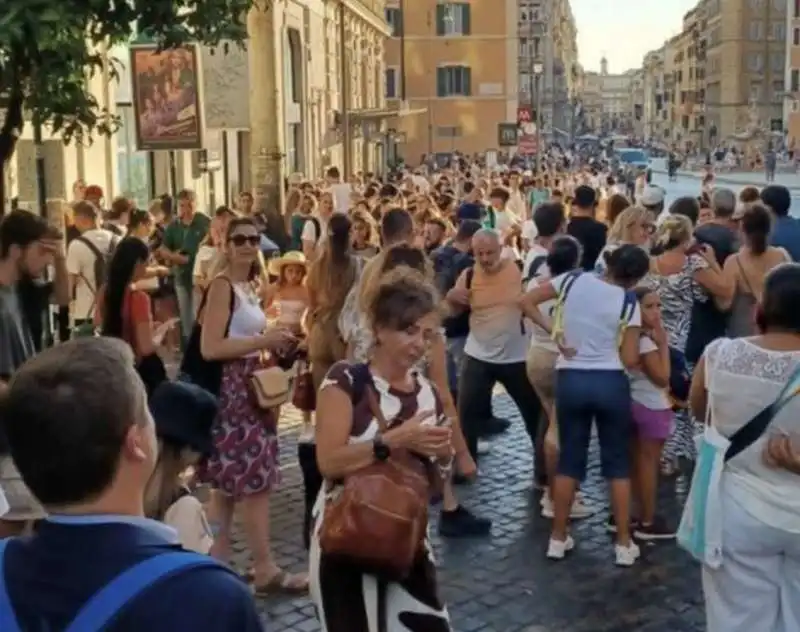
(248, 319)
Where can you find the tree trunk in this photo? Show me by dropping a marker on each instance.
(9, 135)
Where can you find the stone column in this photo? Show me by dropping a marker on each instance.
(266, 115)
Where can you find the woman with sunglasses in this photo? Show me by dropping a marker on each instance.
(243, 468)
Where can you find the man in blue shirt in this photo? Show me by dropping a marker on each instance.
(786, 231)
(81, 436)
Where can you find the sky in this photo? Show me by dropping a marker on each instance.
(625, 30)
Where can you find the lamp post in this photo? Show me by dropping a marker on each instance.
(538, 68)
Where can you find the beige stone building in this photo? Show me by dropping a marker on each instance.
(548, 40)
(654, 112)
(744, 65)
(791, 103)
(308, 93)
(457, 64)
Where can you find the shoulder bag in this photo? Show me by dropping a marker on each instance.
(377, 519)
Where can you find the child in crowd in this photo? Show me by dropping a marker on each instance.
(652, 415)
(288, 297)
(183, 414)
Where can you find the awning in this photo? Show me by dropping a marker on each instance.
(379, 114)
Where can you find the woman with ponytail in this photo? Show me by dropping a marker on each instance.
(747, 269)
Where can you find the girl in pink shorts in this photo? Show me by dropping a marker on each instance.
(652, 415)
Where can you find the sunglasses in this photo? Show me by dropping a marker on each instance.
(241, 240)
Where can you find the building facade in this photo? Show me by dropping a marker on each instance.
(744, 65)
(548, 58)
(791, 103)
(654, 112)
(453, 65)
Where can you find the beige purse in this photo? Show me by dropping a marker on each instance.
(270, 387)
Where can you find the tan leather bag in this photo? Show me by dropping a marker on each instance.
(270, 387)
(379, 518)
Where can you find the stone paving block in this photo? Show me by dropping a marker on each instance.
(504, 583)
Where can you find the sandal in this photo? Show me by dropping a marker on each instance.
(283, 583)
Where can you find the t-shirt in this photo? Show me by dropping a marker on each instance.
(643, 391)
(204, 262)
(592, 236)
(341, 196)
(16, 343)
(52, 574)
(497, 332)
(591, 320)
(136, 309)
(539, 337)
(81, 263)
(529, 231)
(535, 255)
(310, 232)
(183, 238)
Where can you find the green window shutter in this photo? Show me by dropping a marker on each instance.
(467, 79)
(441, 82)
(440, 19)
(466, 11)
(400, 23)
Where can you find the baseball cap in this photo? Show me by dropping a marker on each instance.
(470, 210)
(652, 196)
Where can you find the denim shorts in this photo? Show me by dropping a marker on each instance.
(584, 396)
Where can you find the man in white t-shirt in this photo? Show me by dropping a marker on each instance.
(82, 256)
(550, 221)
(341, 191)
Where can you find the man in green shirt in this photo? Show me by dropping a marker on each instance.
(182, 239)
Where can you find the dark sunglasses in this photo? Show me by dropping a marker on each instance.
(241, 240)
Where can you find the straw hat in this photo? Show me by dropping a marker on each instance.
(291, 258)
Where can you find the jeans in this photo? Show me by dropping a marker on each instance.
(455, 361)
(185, 296)
(475, 395)
(758, 585)
(584, 396)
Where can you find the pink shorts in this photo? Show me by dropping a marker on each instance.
(655, 425)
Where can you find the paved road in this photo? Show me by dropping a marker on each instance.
(504, 583)
(687, 185)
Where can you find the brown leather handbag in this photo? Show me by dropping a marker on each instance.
(378, 519)
(304, 397)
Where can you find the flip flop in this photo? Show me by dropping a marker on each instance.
(282, 583)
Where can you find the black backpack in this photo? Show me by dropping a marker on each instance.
(101, 261)
(533, 271)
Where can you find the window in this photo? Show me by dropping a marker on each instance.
(394, 18)
(756, 32)
(777, 90)
(795, 79)
(776, 61)
(796, 36)
(797, 8)
(453, 18)
(453, 81)
(755, 62)
(392, 83)
(778, 31)
(448, 132)
(755, 91)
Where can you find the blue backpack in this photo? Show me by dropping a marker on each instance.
(101, 609)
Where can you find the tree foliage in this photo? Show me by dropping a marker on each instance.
(49, 48)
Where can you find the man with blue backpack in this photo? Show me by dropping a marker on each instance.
(79, 431)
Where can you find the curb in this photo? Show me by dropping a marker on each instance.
(725, 180)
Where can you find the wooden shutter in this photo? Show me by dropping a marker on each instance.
(466, 16)
(441, 82)
(467, 80)
(440, 8)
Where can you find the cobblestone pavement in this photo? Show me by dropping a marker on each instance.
(504, 583)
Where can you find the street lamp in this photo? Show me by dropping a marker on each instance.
(538, 69)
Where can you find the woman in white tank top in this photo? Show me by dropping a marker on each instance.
(758, 585)
(244, 466)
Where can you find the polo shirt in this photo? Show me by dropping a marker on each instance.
(186, 239)
(50, 576)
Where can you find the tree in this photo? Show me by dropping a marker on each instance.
(49, 48)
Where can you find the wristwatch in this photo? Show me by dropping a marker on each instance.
(380, 450)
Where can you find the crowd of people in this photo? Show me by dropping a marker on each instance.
(389, 317)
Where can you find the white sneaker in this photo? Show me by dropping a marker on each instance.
(484, 447)
(556, 549)
(578, 511)
(626, 555)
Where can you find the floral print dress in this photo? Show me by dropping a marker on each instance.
(678, 292)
